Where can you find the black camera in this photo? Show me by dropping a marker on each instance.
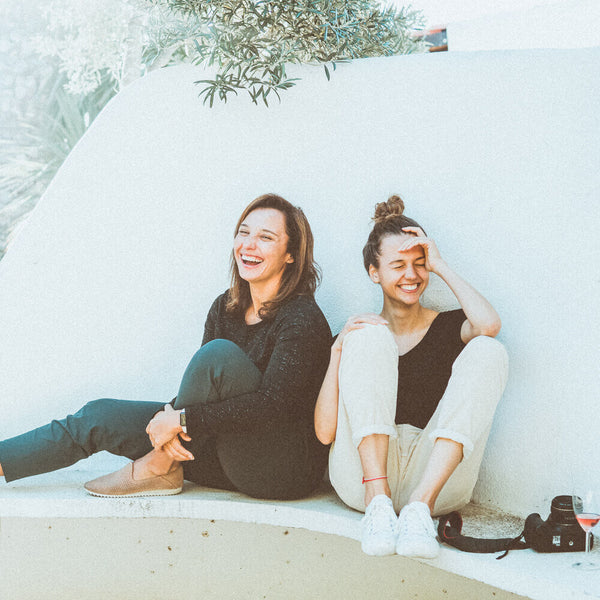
(560, 532)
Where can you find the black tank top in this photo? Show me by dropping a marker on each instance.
(424, 371)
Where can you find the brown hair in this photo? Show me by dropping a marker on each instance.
(299, 277)
(389, 219)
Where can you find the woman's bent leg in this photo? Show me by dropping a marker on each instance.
(117, 426)
(368, 384)
(283, 463)
(219, 370)
(463, 416)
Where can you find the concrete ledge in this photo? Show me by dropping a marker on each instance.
(526, 573)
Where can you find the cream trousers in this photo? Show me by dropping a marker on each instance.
(368, 387)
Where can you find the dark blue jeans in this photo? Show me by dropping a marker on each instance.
(282, 463)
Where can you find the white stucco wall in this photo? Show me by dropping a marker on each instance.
(105, 290)
(565, 24)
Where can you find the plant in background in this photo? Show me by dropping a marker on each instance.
(111, 40)
(87, 53)
(45, 139)
(252, 41)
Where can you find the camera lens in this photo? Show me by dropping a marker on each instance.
(561, 510)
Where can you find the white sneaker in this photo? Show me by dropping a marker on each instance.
(416, 532)
(379, 527)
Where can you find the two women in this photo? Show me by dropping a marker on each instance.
(242, 418)
(407, 399)
(409, 395)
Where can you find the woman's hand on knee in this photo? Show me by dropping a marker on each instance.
(357, 322)
(164, 426)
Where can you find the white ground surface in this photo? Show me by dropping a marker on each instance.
(32, 508)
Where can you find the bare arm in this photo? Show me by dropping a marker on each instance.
(326, 408)
(482, 318)
(327, 403)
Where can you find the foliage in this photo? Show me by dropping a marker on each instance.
(86, 53)
(252, 41)
(118, 40)
(28, 163)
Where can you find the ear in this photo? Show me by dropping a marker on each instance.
(373, 274)
(290, 259)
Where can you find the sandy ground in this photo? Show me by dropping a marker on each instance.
(193, 558)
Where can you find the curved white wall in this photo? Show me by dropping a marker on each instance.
(105, 290)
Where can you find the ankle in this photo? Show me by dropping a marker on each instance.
(376, 488)
(154, 464)
(428, 501)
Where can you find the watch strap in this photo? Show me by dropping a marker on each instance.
(183, 421)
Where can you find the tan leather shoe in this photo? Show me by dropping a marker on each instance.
(121, 484)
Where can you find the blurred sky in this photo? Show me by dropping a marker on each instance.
(441, 12)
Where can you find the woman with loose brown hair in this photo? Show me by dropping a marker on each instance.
(242, 419)
(300, 277)
(410, 394)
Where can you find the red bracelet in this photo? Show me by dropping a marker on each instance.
(374, 478)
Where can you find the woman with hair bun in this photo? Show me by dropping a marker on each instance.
(409, 395)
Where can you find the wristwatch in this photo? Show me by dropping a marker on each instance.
(182, 421)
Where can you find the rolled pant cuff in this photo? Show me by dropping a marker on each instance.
(459, 438)
(358, 436)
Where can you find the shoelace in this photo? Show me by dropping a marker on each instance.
(380, 518)
(414, 522)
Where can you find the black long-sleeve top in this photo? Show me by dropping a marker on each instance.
(291, 349)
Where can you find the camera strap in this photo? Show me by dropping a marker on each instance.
(449, 531)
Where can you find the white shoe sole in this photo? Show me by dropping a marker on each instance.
(172, 492)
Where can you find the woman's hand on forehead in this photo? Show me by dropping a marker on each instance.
(432, 254)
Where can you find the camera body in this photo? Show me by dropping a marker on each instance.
(560, 532)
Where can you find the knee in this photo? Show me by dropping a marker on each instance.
(216, 352)
(487, 355)
(370, 351)
(371, 334)
(371, 340)
(490, 348)
(96, 410)
(212, 361)
(91, 423)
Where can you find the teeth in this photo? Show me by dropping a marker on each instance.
(251, 259)
(412, 286)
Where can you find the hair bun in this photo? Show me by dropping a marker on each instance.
(394, 207)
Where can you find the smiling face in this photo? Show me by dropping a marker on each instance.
(260, 247)
(402, 275)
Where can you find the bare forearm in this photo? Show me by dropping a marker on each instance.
(481, 315)
(327, 403)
